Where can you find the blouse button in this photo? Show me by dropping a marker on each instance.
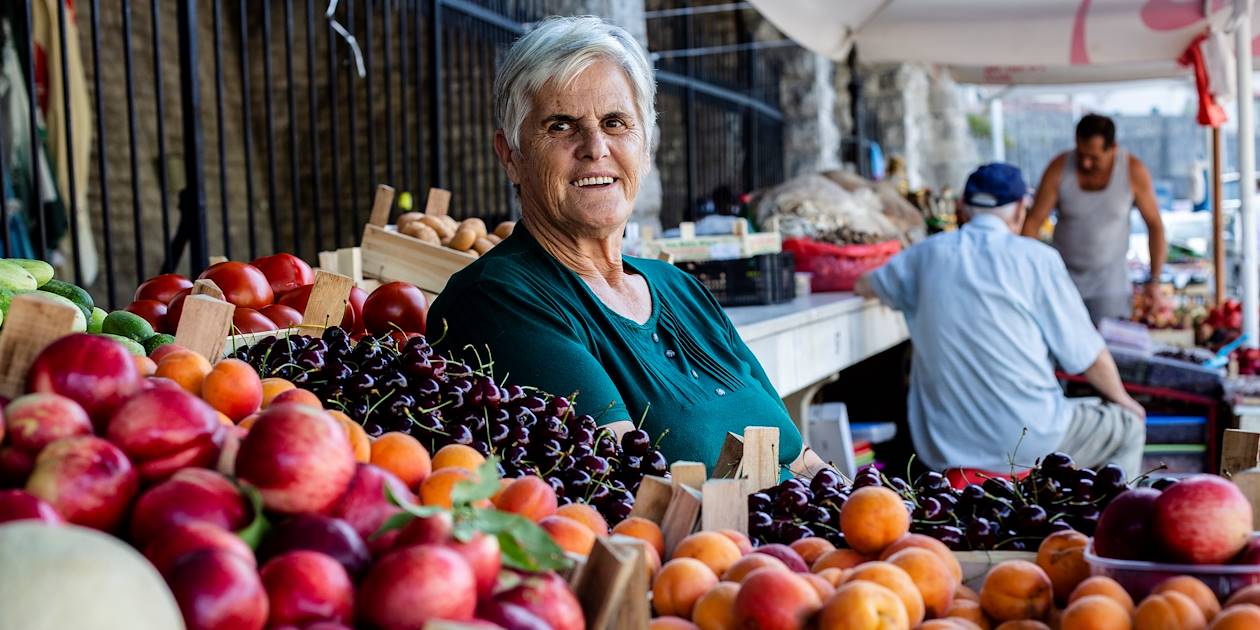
(669, 354)
(720, 392)
(694, 375)
(656, 338)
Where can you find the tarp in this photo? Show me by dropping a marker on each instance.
(1006, 41)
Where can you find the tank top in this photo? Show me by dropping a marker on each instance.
(1092, 233)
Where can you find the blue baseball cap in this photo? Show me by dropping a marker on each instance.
(993, 185)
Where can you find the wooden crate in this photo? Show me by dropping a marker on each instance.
(977, 564)
(688, 247)
(389, 256)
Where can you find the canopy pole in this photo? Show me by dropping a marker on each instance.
(997, 129)
(1247, 181)
(1218, 221)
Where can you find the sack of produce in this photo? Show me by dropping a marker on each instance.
(837, 267)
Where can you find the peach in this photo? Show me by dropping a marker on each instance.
(835, 576)
(713, 549)
(931, 544)
(412, 586)
(643, 529)
(838, 559)
(820, 584)
(170, 545)
(1016, 589)
(1022, 624)
(809, 549)
(233, 388)
(1062, 556)
(1239, 617)
(365, 506)
(895, 579)
(483, 555)
(89, 481)
(787, 555)
(864, 605)
(679, 585)
(36, 420)
(18, 505)
(715, 610)
(671, 623)
(218, 590)
(1246, 595)
(571, 535)
(930, 576)
(740, 540)
(586, 515)
(772, 599)
(873, 518)
(192, 494)
(1105, 586)
(1196, 590)
(162, 430)
(528, 496)
(297, 457)
(947, 623)
(968, 610)
(964, 592)
(1168, 611)
(299, 396)
(1095, 612)
(307, 586)
(547, 596)
(749, 563)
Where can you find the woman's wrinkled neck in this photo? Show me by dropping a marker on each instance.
(596, 256)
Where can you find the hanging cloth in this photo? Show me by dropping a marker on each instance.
(15, 128)
(57, 120)
(1209, 56)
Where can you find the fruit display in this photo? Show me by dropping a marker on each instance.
(1000, 514)
(469, 236)
(387, 386)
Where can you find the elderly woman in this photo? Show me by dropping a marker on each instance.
(557, 304)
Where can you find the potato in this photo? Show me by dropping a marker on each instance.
(494, 238)
(463, 239)
(449, 222)
(407, 218)
(482, 245)
(477, 226)
(504, 229)
(443, 230)
(423, 232)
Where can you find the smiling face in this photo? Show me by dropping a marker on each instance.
(582, 152)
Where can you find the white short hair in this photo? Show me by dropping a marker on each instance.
(1006, 212)
(559, 49)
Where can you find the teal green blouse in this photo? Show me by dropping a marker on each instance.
(685, 370)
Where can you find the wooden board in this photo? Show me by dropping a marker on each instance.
(601, 583)
(33, 322)
(206, 287)
(381, 204)
(652, 499)
(729, 457)
(690, 474)
(1240, 450)
(724, 505)
(976, 564)
(439, 202)
(681, 517)
(635, 612)
(204, 326)
(327, 303)
(760, 464)
(214, 260)
(390, 256)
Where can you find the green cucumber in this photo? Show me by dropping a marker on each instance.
(97, 320)
(157, 341)
(42, 271)
(6, 298)
(131, 345)
(127, 324)
(71, 292)
(15, 278)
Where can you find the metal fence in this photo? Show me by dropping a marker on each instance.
(243, 127)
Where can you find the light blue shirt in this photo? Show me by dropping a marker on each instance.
(989, 314)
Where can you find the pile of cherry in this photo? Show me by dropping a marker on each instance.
(997, 514)
(440, 401)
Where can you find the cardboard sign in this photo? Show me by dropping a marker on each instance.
(33, 322)
(329, 296)
(381, 205)
(439, 202)
(204, 326)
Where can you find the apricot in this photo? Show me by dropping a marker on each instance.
(1016, 589)
(1062, 556)
(643, 529)
(1169, 610)
(272, 387)
(187, 368)
(436, 488)
(833, 575)
(679, 585)
(838, 559)
(962, 591)
(1237, 617)
(671, 623)
(873, 518)
(824, 588)
(145, 366)
(1022, 624)
(715, 610)
(1196, 590)
(811, 548)
(749, 563)
(740, 540)
(402, 455)
(1246, 595)
(1105, 586)
(969, 610)
(1095, 612)
(947, 623)
(571, 535)
(298, 396)
(585, 515)
(864, 605)
(713, 549)
(931, 544)
(528, 496)
(895, 579)
(934, 581)
(771, 599)
(458, 456)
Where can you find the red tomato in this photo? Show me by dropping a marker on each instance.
(175, 309)
(297, 298)
(162, 288)
(283, 316)
(358, 297)
(152, 311)
(395, 306)
(285, 272)
(247, 320)
(242, 284)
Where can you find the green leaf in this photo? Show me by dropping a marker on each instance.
(397, 521)
(253, 533)
(483, 487)
(524, 544)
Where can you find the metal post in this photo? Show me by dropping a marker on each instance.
(855, 112)
(192, 200)
(689, 115)
(1247, 181)
(1218, 221)
(436, 91)
(997, 129)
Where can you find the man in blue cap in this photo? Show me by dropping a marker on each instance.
(990, 313)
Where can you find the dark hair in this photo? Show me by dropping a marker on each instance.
(1097, 125)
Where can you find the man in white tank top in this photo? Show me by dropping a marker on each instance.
(1093, 188)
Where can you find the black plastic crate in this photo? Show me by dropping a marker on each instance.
(764, 279)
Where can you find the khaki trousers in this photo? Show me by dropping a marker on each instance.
(1105, 433)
